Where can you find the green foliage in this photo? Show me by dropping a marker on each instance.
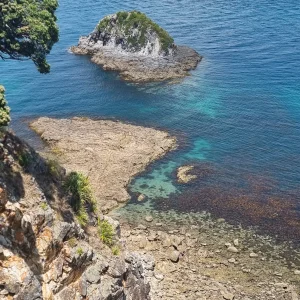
(115, 250)
(72, 242)
(103, 24)
(24, 159)
(135, 19)
(82, 197)
(28, 30)
(4, 109)
(54, 168)
(44, 206)
(106, 232)
(79, 251)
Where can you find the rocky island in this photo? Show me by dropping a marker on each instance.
(136, 47)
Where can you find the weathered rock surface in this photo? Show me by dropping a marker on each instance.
(109, 153)
(192, 263)
(44, 253)
(140, 50)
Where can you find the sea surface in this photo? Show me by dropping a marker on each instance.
(236, 117)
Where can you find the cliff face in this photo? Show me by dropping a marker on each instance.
(131, 32)
(44, 253)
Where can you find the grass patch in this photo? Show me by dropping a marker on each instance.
(79, 251)
(82, 198)
(57, 151)
(44, 206)
(105, 232)
(115, 250)
(54, 168)
(72, 242)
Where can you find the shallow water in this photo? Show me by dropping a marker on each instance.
(237, 116)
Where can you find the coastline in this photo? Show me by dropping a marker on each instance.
(199, 257)
(195, 256)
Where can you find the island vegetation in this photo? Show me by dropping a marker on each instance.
(128, 23)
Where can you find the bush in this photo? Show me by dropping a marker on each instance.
(44, 206)
(24, 159)
(72, 242)
(54, 168)
(4, 109)
(79, 251)
(106, 232)
(82, 197)
(115, 250)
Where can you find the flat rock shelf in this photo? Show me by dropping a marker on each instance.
(110, 153)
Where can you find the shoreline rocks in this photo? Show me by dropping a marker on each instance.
(139, 50)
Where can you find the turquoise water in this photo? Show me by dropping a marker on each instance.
(237, 116)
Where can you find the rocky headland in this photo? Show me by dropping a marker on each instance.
(136, 47)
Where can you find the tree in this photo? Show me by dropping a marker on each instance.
(28, 30)
(4, 109)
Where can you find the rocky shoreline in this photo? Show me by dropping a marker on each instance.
(139, 68)
(198, 257)
(45, 254)
(110, 153)
(195, 256)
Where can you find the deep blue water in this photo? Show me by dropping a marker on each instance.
(239, 112)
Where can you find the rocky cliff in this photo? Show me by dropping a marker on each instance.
(131, 32)
(131, 43)
(44, 253)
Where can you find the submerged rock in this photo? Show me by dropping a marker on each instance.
(183, 174)
(131, 43)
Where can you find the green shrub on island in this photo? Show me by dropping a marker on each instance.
(128, 22)
(4, 109)
(82, 196)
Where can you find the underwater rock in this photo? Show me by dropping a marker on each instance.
(183, 175)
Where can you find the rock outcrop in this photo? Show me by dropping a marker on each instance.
(135, 46)
(183, 174)
(44, 253)
(109, 153)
